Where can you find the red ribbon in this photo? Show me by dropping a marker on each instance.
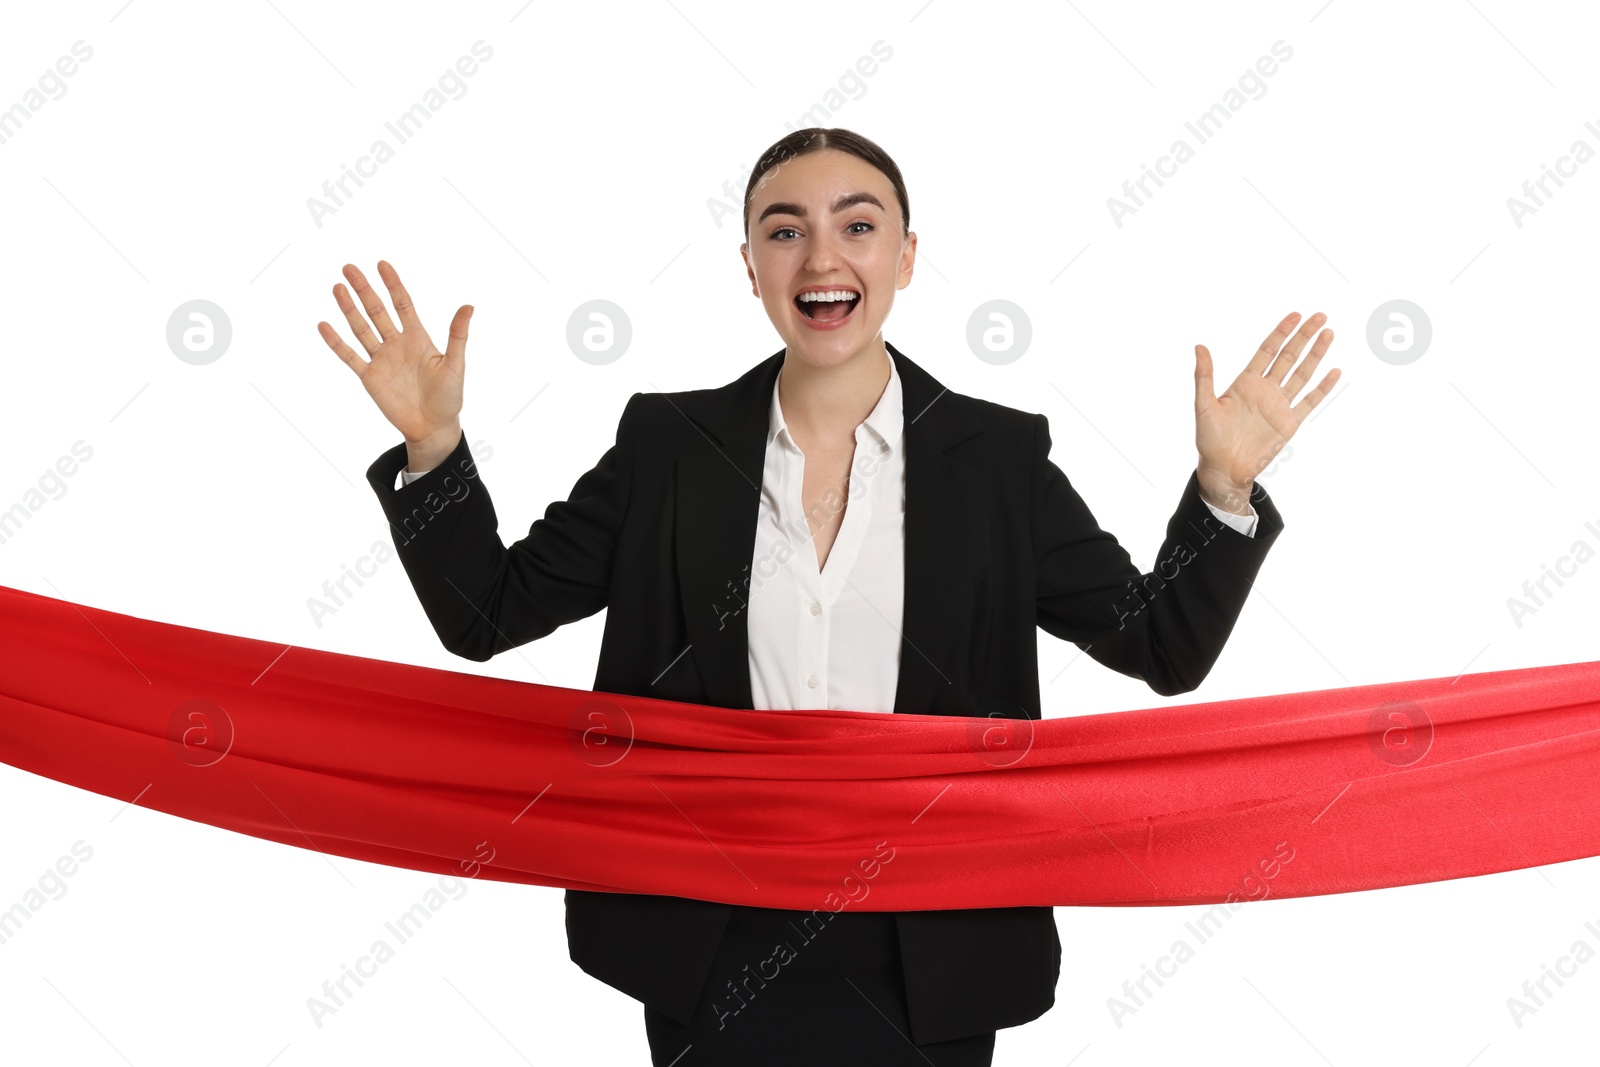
(1327, 791)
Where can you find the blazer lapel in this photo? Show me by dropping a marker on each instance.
(718, 498)
(946, 537)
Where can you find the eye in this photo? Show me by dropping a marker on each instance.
(868, 225)
(783, 229)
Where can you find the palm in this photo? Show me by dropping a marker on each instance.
(412, 383)
(418, 388)
(1238, 433)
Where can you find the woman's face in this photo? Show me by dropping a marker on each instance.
(827, 221)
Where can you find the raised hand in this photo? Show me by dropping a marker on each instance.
(418, 389)
(1239, 432)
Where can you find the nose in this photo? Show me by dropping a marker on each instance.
(822, 253)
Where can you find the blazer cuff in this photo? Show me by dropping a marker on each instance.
(1194, 514)
(409, 507)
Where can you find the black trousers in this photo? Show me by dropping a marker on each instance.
(784, 992)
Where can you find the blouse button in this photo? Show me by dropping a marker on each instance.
(816, 609)
(812, 681)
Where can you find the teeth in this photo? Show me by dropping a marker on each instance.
(829, 295)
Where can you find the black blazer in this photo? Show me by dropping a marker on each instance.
(661, 532)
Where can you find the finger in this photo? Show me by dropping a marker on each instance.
(1269, 347)
(397, 293)
(1291, 351)
(1205, 390)
(358, 322)
(371, 301)
(1309, 402)
(342, 350)
(455, 349)
(1302, 374)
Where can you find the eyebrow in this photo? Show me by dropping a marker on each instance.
(845, 201)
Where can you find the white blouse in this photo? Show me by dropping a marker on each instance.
(830, 639)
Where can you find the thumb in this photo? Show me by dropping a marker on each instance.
(1204, 390)
(455, 350)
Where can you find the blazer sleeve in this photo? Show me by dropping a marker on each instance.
(482, 597)
(1165, 626)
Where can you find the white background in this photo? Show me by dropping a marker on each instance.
(578, 165)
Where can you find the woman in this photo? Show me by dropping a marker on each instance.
(834, 529)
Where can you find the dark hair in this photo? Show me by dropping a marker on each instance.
(815, 139)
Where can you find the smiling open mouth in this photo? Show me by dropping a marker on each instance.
(829, 306)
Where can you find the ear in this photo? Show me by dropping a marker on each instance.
(744, 250)
(908, 258)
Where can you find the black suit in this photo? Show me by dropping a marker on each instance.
(662, 533)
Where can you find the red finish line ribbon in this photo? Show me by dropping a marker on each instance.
(1287, 795)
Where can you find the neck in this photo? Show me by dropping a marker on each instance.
(824, 405)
